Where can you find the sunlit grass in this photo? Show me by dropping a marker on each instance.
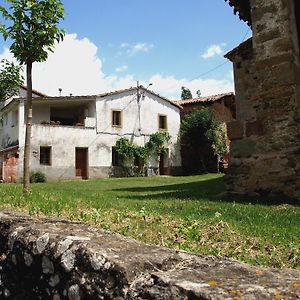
(177, 212)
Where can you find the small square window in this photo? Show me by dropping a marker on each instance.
(116, 118)
(116, 160)
(162, 122)
(45, 156)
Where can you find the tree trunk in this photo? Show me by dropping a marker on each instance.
(28, 120)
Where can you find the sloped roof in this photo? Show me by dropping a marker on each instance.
(143, 88)
(245, 49)
(38, 93)
(243, 8)
(86, 97)
(204, 100)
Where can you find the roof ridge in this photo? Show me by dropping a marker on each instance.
(35, 91)
(204, 98)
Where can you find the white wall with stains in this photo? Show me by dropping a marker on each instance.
(139, 121)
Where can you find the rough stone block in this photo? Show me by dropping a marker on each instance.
(242, 148)
(255, 128)
(235, 130)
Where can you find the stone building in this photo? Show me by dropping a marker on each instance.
(222, 106)
(265, 148)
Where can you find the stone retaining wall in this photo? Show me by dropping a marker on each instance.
(56, 259)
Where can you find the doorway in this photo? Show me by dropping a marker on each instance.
(81, 162)
(297, 18)
(164, 163)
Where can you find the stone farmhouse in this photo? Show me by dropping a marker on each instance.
(222, 107)
(265, 146)
(74, 137)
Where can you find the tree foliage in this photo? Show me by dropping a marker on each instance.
(10, 79)
(140, 155)
(186, 93)
(124, 148)
(157, 143)
(33, 29)
(200, 129)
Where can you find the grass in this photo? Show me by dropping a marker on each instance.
(176, 212)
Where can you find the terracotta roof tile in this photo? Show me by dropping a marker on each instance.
(207, 99)
(243, 8)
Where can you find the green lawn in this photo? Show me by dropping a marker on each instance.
(177, 212)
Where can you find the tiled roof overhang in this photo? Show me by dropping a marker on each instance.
(204, 100)
(242, 7)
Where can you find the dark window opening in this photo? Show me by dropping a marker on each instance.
(67, 116)
(297, 18)
(116, 118)
(116, 159)
(162, 122)
(45, 156)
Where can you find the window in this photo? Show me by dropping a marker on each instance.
(45, 156)
(116, 161)
(14, 119)
(5, 119)
(116, 118)
(162, 122)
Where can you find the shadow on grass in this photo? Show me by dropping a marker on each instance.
(209, 189)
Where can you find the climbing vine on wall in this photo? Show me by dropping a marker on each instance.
(134, 158)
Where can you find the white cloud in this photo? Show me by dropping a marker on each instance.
(136, 48)
(6, 54)
(76, 67)
(121, 69)
(171, 87)
(213, 50)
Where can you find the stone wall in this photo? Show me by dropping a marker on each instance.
(265, 148)
(56, 259)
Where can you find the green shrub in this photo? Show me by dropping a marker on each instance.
(199, 128)
(37, 177)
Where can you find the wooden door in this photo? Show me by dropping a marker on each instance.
(81, 162)
(164, 164)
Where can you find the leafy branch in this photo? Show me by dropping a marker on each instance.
(129, 152)
(10, 79)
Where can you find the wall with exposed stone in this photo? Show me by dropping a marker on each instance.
(56, 259)
(265, 148)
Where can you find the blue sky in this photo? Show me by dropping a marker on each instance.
(112, 43)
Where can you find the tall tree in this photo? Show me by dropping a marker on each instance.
(186, 93)
(10, 79)
(33, 28)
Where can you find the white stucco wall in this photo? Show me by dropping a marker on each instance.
(9, 127)
(99, 141)
(151, 107)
